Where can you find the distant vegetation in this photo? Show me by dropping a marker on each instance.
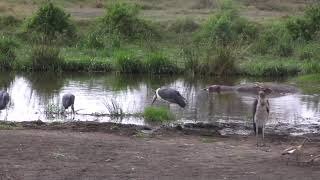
(122, 40)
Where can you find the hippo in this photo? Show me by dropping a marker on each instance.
(254, 88)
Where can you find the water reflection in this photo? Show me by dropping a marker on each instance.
(31, 93)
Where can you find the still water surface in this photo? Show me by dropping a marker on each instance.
(32, 93)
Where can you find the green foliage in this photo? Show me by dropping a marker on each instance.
(51, 21)
(96, 39)
(190, 55)
(219, 61)
(226, 26)
(7, 53)
(270, 67)
(158, 63)
(126, 62)
(305, 27)
(157, 114)
(276, 40)
(310, 67)
(122, 19)
(309, 84)
(45, 58)
(8, 21)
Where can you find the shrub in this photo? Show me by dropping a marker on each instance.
(96, 39)
(45, 58)
(158, 63)
(219, 61)
(276, 40)
(226, 27)
(51, 21)
(157, 114)
(307, 26)
(7, 53)
(122, 19)
(126, 62)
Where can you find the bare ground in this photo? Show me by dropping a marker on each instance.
(70, 154)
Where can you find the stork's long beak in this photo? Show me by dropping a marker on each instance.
(154, 99)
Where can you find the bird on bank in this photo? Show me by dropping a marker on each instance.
(296, 151)
(170, 95)
(4, 100)
(260, 115)
(68, 101)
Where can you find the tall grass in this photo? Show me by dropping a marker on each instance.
(127, 62)
(275, 40)
(159, 63)
(45, 58)
(157, 114)
(7, 53)
(308, 83)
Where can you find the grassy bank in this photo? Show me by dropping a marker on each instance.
(121, 40)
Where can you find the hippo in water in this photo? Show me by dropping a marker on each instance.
(253, 88)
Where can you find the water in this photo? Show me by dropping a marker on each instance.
(32, 93)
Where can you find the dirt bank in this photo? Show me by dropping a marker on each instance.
(125, 152)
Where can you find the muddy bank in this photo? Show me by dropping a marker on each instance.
(200, 128)
(57, 154)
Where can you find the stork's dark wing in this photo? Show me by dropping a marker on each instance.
(172, 96)
(254, 109)
(268, 106)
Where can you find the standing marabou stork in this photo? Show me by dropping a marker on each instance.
(67, 101)
(4, 100)
(169, 95)
(260, 115)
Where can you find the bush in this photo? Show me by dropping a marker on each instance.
(98, 40)
(126, 62)
(158, 63)
(122, 19)
(276, 40)
(226, 27)
(219, 61)
(305, 27)
(51, 21)
(157, 114)
(7, 53)
(45, 58)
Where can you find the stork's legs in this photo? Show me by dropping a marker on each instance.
(257, 135)
(263, 144)
(73, 112)
(6, 116)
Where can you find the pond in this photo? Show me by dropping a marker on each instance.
(31, 94)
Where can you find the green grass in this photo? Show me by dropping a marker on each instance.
(310, 84)
(224, 44)
(7, 125)
(158, 114)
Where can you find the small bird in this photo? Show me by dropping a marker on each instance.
(170, 95)
(295, 150)
(260, 115)
(67, 101)
(4, 100)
